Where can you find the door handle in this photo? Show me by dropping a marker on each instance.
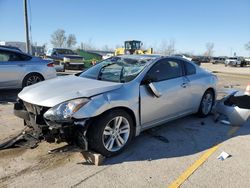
(21, 65)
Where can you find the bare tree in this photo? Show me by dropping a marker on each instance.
(87, 45)
(247, 46)
(118, 46)
(71, 41)
(105, 48)
(167, 48)
(58, 38)
(209, 49)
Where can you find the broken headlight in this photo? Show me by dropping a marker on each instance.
(63, 112)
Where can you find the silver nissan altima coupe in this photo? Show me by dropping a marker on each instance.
(105, 106)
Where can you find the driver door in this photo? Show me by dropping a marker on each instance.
(168, 79)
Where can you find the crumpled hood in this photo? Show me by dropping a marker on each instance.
(54, 91)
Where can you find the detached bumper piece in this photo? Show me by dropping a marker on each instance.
(40, 129)
(234, 109)
(25, 139)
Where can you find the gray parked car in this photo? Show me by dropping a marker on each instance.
(18, 69)
(107, 105)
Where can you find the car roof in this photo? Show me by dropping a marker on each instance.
(11, 47)
(12, 50)
(142, 56)
(152, 56)
(61, 49)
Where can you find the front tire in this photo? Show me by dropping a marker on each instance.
(110, 133)
(206, 104)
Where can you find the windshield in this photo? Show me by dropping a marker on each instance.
(233, 58)
(65, 51)
(116, 69)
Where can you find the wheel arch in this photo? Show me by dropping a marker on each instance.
(30, 73)
(213, 91)
(126, 109)
(33, 73)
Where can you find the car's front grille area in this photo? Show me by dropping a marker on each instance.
(36, 111)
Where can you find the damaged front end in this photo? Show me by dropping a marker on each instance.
(54, 124)
(233, 109)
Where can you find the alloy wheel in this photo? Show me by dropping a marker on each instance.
(32, 80)
(116, 133)
(207, 103)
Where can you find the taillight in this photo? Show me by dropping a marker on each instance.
(50, 65)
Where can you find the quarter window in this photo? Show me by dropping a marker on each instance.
(166, 69)
(190, 69)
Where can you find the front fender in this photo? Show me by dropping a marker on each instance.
(106, 101)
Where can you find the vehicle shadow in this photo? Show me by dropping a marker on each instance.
(182, 137)
(8, 95)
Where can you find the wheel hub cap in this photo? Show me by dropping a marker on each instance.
(116, 134)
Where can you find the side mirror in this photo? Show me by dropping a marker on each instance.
(154, 90)
(149, 82)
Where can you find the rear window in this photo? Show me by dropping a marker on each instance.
(65, 51)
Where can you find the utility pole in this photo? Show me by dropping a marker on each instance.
(26, 27)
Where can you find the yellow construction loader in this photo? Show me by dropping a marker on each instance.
(132, 47)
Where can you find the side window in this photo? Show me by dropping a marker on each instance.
(14, 57)
(24, 57)
(190, 69)
(4, 56)
(166, 69)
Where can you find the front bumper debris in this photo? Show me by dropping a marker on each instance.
(234, 109)
(24, 139)
(39, 129)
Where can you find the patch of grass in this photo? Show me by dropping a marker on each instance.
(89, 57)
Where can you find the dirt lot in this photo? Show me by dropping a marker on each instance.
(156, 158)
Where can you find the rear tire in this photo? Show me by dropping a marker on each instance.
(110, 133)
(31, 79)
(206, 104)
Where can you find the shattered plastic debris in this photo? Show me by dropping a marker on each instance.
(233, 109)
(223, 156)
